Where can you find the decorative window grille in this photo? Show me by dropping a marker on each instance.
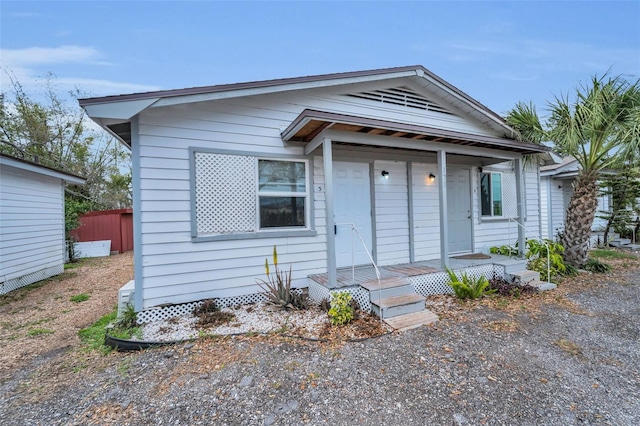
(498, 194)
(402, 96)
(225, 193)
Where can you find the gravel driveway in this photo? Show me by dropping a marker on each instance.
(576, 361)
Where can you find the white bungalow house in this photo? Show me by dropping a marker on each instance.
(223, 173)
(32, 238)
(556, 189)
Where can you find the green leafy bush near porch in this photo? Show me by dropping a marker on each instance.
(537, 254)
(469, 287)
(341, 311)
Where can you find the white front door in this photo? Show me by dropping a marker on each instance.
(459, 210)
(352, 205)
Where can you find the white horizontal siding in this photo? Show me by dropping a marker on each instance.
(544, 207)
(489, 232)
(557, 205)
(175, 269)
(426, 212)
(31, 224)
(391, 213)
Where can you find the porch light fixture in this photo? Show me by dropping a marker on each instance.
(432, 177)
(385, 174)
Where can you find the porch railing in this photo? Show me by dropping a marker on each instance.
(534, 237)
(353, 261)
(366, 250)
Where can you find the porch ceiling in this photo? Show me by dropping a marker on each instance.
(311, 123)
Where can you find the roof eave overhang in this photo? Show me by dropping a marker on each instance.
(310, 124)
(17, 163)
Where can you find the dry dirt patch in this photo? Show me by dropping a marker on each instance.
(42, 319)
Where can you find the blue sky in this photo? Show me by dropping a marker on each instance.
(497, 52)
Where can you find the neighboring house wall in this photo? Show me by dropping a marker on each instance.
(31, 227)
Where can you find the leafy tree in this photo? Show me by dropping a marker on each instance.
(601, 129)
(624, 191)
(56, 133)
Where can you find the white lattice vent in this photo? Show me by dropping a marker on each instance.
(318, 292)
(402, 96)
(165, 312)
(438, 282)
(509, 197)
(225, 193)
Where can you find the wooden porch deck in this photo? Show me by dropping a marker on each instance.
(348, 277)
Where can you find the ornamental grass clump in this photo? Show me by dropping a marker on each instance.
(277, 287)
(341, 311)
(469, 287)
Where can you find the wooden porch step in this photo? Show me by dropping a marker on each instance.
(388, 287)
(385, 283)
(413, 320)
(398, 305)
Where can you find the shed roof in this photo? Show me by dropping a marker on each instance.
(22, 164)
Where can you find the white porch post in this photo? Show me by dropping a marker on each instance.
(521, 206)
(327, 158)
(444, 224)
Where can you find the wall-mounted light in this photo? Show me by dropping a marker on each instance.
(432, 177)
(385, 174)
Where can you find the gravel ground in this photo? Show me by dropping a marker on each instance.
(574, 359)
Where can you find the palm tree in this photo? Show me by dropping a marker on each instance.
(601, 129)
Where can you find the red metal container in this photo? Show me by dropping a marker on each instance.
(114, 225)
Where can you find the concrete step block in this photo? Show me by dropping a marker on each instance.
(398, 305)
(524, 276)
(413, 320)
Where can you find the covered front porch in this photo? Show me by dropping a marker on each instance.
(425, 277)
(333, 136)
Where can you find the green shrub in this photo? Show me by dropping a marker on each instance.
(469, 287)
(504, 250)
(597, 266)
(128, 319)
(278, 287)
(341, 311)
(537, 255)
(82, 297)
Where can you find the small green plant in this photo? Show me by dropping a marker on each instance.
(278, 287)
(82, 297)
(504, 250)
(341, 311)
(469, 287)
(597, 266)
(128, 318)
(39, 332)
(537, 254)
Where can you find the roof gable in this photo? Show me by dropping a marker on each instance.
(124, 107)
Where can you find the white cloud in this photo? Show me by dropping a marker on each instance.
(48, 55)
(28, 65)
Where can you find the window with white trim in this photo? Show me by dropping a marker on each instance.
(491, 194)
(246, 196)
(282, 194)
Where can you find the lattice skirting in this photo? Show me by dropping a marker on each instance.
(318, 292)
(165, 312)
(437, 282)
(16, 283)
(426, 285)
